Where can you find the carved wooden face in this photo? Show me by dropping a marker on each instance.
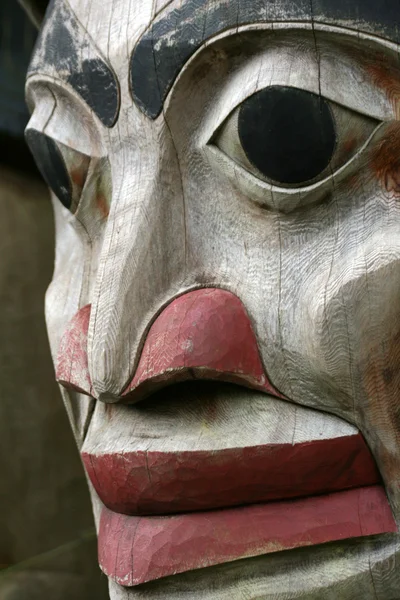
(224, 312)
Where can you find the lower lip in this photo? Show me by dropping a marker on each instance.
(135, 550)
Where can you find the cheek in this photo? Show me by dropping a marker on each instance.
(360, 333)
(381, 381)
(385, 160)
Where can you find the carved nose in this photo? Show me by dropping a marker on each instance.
(203, 334)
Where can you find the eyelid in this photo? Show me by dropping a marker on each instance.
(278, 198)
(357, 91)
(219, 115)
(62, 115)
(352, 130)
(338, 37)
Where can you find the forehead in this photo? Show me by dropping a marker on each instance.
(380, 18)
(91, 44)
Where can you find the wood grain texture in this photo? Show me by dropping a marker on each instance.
(175, 454)
(353, 569)
(161, 483)
(133, 550)
(316, 266)
(72, 365)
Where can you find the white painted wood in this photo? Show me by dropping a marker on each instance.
(179, 419)
(344, 571)
(317, 267)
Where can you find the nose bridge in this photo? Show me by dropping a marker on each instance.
(142, 261)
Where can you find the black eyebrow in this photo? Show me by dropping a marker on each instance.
(65, 50)
(173, 38)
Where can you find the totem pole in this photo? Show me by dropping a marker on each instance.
(224, 311)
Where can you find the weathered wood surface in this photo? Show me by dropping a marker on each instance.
(345, 570)
(134, 550)
(176, 453)
(176, 198)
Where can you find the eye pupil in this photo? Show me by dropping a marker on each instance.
(51, 165)
(286, 133)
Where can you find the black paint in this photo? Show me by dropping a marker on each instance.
(172, 39)
(51, 164)
(62, 45)
(287, 134)
(97, 86)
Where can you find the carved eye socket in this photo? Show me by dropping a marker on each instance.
(290, 137)
(64, 170)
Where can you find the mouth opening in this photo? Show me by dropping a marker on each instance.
(203, 473)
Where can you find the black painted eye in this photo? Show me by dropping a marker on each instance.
(51, 165)
(63, 169)
(287, 134)
(290, 137)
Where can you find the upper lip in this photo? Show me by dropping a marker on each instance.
(270, 452)
(204, 334)
(230, 501)
(207, 334)
(191, 448)
(139, 481)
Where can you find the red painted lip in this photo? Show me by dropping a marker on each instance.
(135, 550)
(160, 483)
(312, 491)
(146, 543)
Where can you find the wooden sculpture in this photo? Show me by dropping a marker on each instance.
(224, 311)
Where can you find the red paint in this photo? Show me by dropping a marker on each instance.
(385, 161)
(72, 361)
(133, 550)
(140, 483)
(78, 176)
(204, 334)
(102, 205)
(384, 74)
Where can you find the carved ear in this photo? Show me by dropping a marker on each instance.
(35, 9)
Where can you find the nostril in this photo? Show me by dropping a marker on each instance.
(108, 398)
(203, 334)
(72, 369)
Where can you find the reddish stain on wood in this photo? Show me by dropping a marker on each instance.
(384, 75)
(72, 362)
(385, 159)
(381, 382)
(350, 145)
(102, 205)
(204, 334)
(134, 550)
(140, 483)
(79, 171)
(349, 148)
(78, 176)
